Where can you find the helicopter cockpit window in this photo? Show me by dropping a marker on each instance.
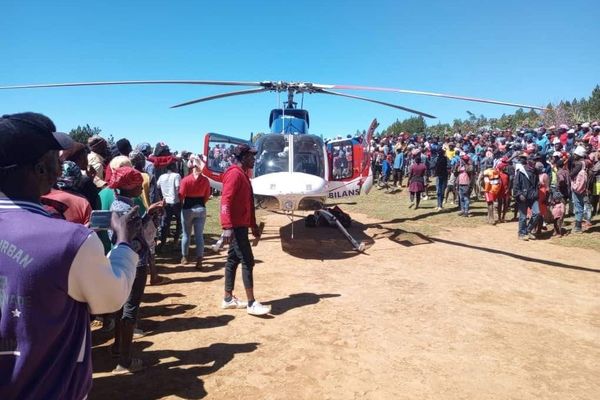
(220, 156)
(308, 155)
(273, 154)
(341, 154)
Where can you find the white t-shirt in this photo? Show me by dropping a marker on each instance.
(169, 186)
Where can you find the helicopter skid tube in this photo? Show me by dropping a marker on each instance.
(360, 247)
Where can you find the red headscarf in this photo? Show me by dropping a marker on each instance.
(127, 178)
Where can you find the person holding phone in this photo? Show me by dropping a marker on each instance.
(127, 183)
(53, 273)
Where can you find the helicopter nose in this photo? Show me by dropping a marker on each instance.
(287, 183)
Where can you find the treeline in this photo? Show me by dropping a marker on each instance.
(565, 112)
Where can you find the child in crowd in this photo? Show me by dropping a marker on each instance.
(558, 212)
(127, 185)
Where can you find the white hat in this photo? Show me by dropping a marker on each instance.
(557, 154)
(563, 126)
(585, 125)
(556, 141)
(571, 131)
(580, 151)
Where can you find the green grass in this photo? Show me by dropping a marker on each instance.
(392, 210)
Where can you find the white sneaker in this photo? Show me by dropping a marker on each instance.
(258, 309)
(233, 303)
(138, 333)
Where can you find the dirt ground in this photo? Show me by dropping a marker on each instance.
(470, 313)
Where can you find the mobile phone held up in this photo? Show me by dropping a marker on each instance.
(100, 219)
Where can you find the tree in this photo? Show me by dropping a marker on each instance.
(81, 134)
(564, 112)
(257, 136)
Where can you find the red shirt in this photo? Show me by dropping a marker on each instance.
(237, 200)
(194, 187)
(78, 208)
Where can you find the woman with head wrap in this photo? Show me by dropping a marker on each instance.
(107, 196)
(116, 162)
(126, 182)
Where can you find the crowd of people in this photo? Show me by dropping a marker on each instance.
(53, 291)
(542, 174)
(50, 186)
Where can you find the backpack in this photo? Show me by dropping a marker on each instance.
(579, 183)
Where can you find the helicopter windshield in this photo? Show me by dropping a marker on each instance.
(308, 155)
(273, 154)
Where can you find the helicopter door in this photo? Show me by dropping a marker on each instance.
(350, 165)
(218, 150)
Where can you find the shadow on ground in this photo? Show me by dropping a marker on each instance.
(322, 243)
(297, 300)
(169, 372)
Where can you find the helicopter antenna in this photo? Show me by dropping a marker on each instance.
(282, 118)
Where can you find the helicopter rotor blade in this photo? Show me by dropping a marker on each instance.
(220, 96)
(421, 93)
(150, 82)
(410, 110)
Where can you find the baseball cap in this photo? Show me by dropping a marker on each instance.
(242, 149)
(25, 137)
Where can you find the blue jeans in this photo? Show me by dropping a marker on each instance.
(524, 227)
(440, 188)
(463, 194)
(577, 206)
(193, 217)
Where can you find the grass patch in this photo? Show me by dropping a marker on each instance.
(393, 212)
(392, 209)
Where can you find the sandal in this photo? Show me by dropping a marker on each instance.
(136, 366)
(162, 280)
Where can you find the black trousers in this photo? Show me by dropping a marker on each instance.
(239, 251)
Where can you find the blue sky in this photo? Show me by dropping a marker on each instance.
(528, 52)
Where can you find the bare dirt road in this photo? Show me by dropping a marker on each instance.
(470, 313)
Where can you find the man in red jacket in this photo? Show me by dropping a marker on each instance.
(237, 215)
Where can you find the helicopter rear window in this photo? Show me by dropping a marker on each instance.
(341, 163)
(220, 156)
(308, 155)
(273, 154)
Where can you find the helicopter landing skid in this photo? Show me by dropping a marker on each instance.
(333, 221)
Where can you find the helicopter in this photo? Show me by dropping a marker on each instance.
(294, 170)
